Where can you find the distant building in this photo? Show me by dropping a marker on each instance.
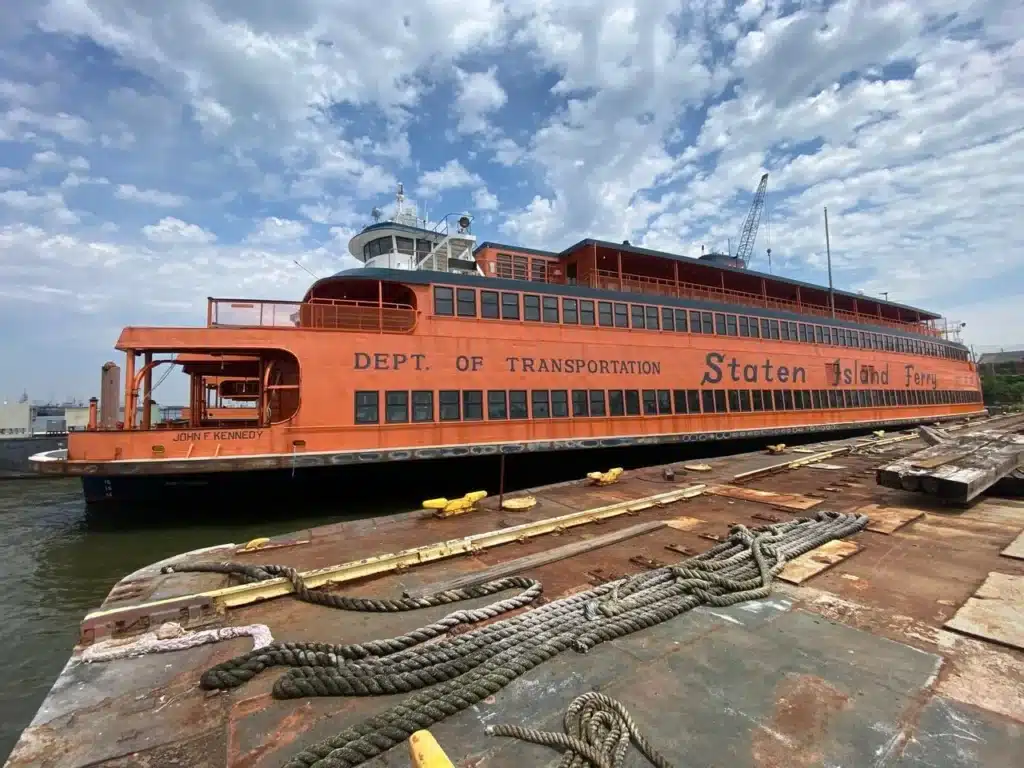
(1002, 362)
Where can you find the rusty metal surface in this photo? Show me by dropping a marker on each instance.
(853, 667)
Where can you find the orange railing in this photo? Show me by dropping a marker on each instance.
(320, 314)
(607, 280)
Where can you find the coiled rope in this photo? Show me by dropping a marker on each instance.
(454, 673)
(598, 730)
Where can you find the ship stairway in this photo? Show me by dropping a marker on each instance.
(453, 252)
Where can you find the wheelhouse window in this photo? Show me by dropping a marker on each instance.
(531, 308)
(541, 403)
(550, 309)
(510, 306)
(396, 407)
(466, 298)
(570, 312)
(422, 406)
(489, 304)
(448, 400)
(586, 312)
(444, 301)
(367, 408)
(517, 404)
(497, 405)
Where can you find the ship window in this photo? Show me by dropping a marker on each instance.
(448, 400)
(744, 400)
(831, 399)
(774, 328)
(765, 333)
(570, 312)
(734, 400)
(901, 397)
(720, 401)
(550, 309)
(652, 318)
(802, 332)
(519, 267)
(638, 316)
(621, 318)
(422, 405)
(787, 395)
(559, 403)
(755, 396)
(510, 306)
(851, 340)
(604, 314)
(819, 334)
(489, 304)
(472, 404)
(681, 320)
(586, 312)
(784, 331)
(730, 325)
(835, 337)
(847, 399)
(541, 404)
(538, 270)
(780, 402)
(396, 407)
(404, 245)
(632, 402)
(650, 400)
(466, 302)
(679, 400)
(708, 398)
(580, 402)
(693, 400)
(664, 402)
(443, 301)
(719, 323)
(504, 265)
(744, 326)
(806, 394)
(816, 398)
(367, 411)
(616, 406)
(531, 308)
(497, 405)
(705, 322)
(517, 404)
(767, 399)
(597, 402)
(423, 247)
(695, 324)
(667, 319)
(863, 340)
(792, 331)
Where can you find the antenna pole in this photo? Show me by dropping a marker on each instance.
(311, 274)
(828, 252)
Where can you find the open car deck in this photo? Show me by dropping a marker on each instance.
(848, 663)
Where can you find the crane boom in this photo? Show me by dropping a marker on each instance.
(749, 232)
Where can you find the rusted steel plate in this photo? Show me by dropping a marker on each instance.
(817, 560)
(1016, 548)
(784, 500)
(995, 612)
(888, 520)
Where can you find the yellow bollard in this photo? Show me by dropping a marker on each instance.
(426, 752)
(447, 507)
(605, 478)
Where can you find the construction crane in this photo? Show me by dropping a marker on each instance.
(749, 232)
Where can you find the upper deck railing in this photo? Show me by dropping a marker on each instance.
(319, 314)
(611, 281)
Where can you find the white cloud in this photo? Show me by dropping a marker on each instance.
(148, 196)
(484, 200)
(49, 157)
(172, 231)
(478, 95)
(452, 175)
(275, 231)
(11, 175)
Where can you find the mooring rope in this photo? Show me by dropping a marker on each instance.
(598, 730)
(454, 673)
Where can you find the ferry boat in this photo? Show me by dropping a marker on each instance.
(442, 347)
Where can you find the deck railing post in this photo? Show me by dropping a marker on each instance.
(129, 392)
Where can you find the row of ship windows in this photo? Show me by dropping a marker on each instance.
(462, 302)
(402, 406)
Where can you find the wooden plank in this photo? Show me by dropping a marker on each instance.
(1016, 548)
(244, 594)
(811, 563)
(521, 564)
(784, 500)
(684, 523)
(888, 520)
(821, 465)
(796, 464)
(995, 612)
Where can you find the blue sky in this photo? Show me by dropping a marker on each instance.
(152, 157)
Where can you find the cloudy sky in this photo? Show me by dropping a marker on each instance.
(156, 153)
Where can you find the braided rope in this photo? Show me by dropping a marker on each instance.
(453, 673)
(598, 730)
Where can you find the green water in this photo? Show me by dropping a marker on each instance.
(57, 561)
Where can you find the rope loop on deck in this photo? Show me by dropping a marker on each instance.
(451, 674)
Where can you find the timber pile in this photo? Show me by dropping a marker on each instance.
(956, 468)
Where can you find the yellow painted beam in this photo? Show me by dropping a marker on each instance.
(425, 752)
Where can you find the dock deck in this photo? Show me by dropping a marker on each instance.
(852, 666)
